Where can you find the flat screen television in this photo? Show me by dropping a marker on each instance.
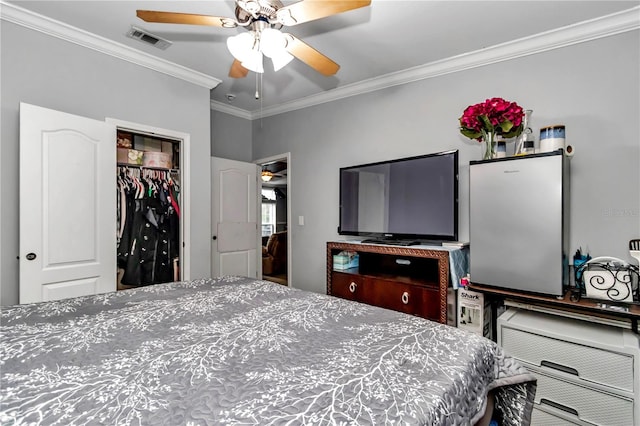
(405, 201)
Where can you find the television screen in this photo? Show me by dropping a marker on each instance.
(408, 198)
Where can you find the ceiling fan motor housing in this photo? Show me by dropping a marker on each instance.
(249, 10)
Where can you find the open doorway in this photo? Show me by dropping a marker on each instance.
(275, 218)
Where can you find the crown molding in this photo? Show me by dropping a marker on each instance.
(605, 26)
(28, 19)
(231, 110)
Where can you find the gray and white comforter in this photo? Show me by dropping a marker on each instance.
(234, 350)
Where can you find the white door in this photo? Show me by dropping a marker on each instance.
(234, 210)
(67, 205)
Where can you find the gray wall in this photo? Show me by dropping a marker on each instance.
(230, 137)
(593, 88)
(55, 74)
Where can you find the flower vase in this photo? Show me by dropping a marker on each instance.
(489, 139)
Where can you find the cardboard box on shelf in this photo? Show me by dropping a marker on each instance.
(129, 156)
(157, 159)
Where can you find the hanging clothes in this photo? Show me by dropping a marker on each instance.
(148, 247)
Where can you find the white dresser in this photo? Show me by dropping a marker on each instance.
(588, 373)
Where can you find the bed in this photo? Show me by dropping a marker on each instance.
(235, 350)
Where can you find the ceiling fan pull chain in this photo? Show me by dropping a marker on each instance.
(261, 86)
(257, 87)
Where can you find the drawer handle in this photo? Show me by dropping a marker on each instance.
(352, 287)
(560, 367)
(559, 406)
(405, 298)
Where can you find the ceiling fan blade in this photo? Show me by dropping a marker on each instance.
(237, 70)
(185, 18)
(309, 10)
(311, 56)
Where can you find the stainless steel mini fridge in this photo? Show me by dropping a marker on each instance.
(518, 226)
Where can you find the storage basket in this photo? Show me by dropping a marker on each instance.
(609, 278)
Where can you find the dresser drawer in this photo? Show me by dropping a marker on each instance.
(581, 403)
(585, 362)
(541, 417)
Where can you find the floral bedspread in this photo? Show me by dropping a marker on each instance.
(234, 350)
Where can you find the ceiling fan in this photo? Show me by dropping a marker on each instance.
(263, 20)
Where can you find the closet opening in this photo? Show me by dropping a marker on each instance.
(149, 210)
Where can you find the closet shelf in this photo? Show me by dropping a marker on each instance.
(139, 166)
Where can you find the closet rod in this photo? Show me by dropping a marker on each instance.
(137, 166)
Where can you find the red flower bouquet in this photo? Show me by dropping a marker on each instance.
(492, 117)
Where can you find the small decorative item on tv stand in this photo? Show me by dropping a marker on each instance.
(345, 260)
(609, 278)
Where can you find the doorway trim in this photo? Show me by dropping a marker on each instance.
(286, 157)
(184, 139)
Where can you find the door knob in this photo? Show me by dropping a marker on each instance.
(31, 256)
(215, 237)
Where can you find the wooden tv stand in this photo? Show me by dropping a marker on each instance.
(407, 279)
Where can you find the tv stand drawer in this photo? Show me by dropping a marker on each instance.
(348, 286)
(408, 298)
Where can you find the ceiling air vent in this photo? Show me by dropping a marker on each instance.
(147, 37)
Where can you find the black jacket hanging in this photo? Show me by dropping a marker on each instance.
(149, 243)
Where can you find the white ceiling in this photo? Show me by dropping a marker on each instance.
(387, 37)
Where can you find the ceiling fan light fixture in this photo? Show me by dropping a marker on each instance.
(272, 45)
(271, 41)
(253, 62)
(266, 176)
(240, 45)
(249, 48)
(243, 48)
(281, 60)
